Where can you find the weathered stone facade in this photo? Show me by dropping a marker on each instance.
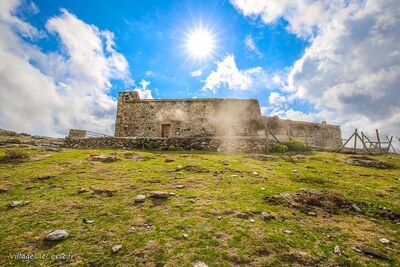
(319, 135)
(186, 117)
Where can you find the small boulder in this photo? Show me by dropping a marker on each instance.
(87, 221)
(199, 264)
(169, 160)
(104, 158)
(56, 235)
(14, 204)
(180, 186)
(384, 241)
(373, 252)
(266, 216)
(288, 232)
(337, 250)
(159, 194)
(140, 198)
(116, 248)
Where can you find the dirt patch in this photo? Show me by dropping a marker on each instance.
(307, 200)
(194, 168)
(43, 178)
(387, 215)
(300, 258)
(262, 157)
(365, 161)
(135, 157)
(106, 192)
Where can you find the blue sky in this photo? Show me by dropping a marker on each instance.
(309, 60)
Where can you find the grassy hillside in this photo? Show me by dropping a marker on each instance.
(216, 218)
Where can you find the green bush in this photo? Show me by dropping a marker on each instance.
(296, 144)
(279, 148)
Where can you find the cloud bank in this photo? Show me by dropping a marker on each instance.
(48, 93)
(351, 70)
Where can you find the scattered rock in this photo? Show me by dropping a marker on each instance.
(87, 221)
(266, 216)
(337, 250)
(193, 200)
(180, 186)
(356, 249)
(295, 170)
(139, 158)
(179, 167)
(219, 217)
(172, 194)
(185, 235)
(384, 241)
(255, 173)
(169, 160)
(355, 207)
(116, 248)
(252, 220)
(56, 235)
(288, 232)
(199, 264)
(140, 198)
(14, 204)
(263, 188)
(159, 194)
(337, 172)
(311, 213)
(104, 158)
(373, 252)
(234, 175)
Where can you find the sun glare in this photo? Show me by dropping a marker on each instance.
(200, 43)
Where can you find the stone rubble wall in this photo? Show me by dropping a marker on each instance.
(210, 144)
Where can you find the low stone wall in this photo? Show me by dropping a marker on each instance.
(210, 144)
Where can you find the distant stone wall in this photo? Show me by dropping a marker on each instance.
(74, 133)
(186, 117)
(319, 135)
(210, 144)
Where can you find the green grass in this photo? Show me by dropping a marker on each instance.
(152, 233)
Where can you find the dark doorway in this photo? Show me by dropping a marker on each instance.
(165, 130)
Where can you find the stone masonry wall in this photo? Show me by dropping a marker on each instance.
(211, 144)
(320, 135)
(186, 117)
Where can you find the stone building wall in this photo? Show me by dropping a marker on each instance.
(186, 117)
(244, 144)
(320, 135)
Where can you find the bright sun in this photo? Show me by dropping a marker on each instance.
(200, 43)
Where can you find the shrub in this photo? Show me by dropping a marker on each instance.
(279, 148)
(296, 144)
(13, 154)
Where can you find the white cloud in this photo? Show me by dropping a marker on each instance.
(228, 75)
(276, 99)
(351, 69)
(250, 44)
(196, 73)
(48, 93)
(143, 92)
